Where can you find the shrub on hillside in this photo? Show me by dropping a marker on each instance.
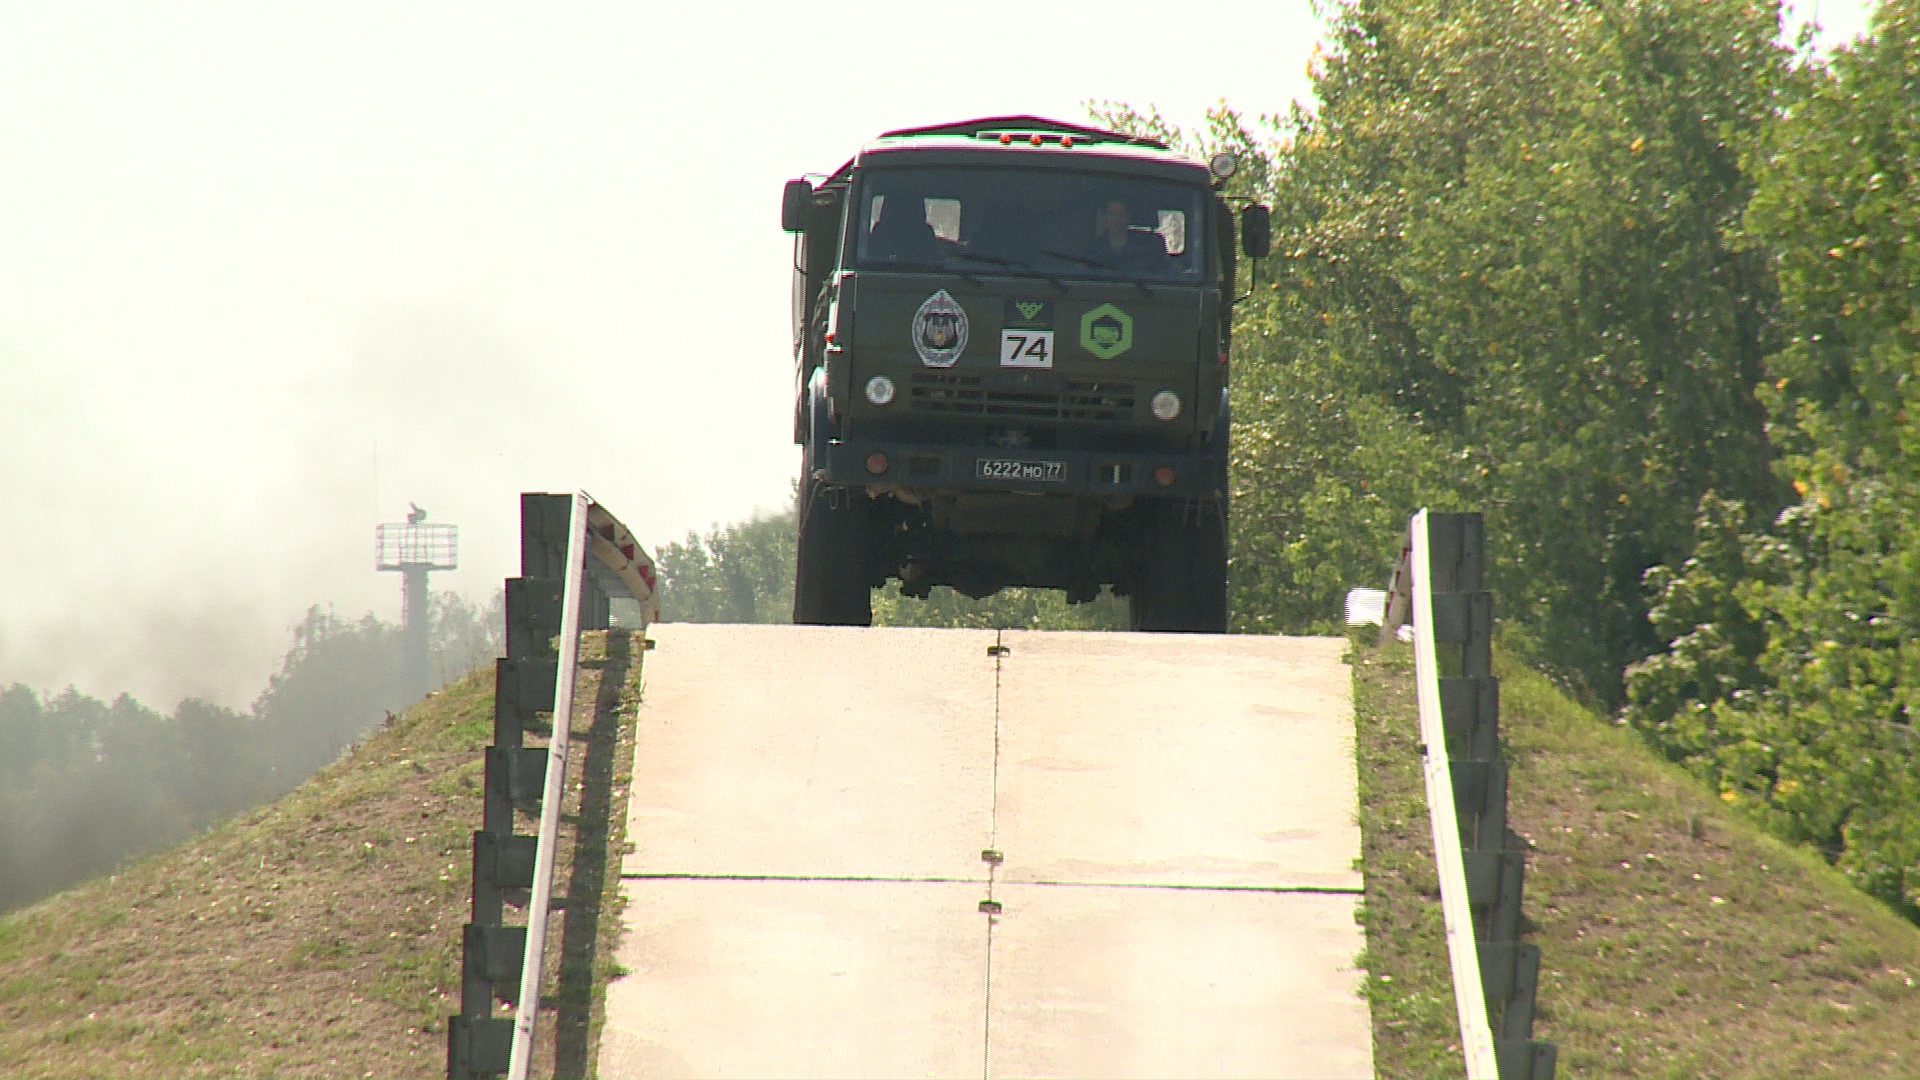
(1792, 673)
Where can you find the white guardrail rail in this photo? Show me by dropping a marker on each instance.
(1476, 1034)
(1480, 882)
(591, 528)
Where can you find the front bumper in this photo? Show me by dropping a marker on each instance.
(1056, 472)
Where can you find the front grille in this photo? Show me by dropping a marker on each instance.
(966, 395)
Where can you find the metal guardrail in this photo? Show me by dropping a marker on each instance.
(560, 593)
(1437, 585)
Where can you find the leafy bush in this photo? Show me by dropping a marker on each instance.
(1792, 672)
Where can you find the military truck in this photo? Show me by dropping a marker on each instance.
(1011, 341)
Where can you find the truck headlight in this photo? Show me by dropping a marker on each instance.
(1165, 405)
(880, 390)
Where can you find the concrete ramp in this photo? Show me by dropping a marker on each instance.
(902, 852)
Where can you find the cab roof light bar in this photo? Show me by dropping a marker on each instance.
(1024, 128)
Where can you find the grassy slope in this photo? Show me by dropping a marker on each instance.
(318, 936)
(1677, 938)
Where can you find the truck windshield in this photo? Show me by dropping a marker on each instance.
(1050, 222)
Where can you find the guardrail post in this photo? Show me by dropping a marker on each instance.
(595, 608)
(1492, 857)
(543, 538)
(523, 687)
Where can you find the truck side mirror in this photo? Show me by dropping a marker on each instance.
(794, 201)
(1256, 231)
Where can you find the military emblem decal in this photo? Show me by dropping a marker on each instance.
(1106, 331)
(1029, 313)
(940, 331)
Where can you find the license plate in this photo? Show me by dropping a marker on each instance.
(1044, 472)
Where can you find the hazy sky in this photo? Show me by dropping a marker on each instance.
(268, 272)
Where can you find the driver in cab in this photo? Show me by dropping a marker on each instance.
(1119, 243)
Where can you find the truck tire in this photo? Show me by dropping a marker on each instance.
(1181, 584)
(830, 567)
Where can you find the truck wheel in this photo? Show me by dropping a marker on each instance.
(1181, 586)
(830, 571)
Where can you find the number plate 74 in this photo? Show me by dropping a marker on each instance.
(1026, 348)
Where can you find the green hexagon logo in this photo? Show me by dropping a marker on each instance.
(1106, 331)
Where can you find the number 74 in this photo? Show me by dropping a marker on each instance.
(1026, 348)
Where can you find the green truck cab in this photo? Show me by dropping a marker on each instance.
(1011, 339)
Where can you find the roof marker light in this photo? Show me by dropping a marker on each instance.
(1006, 139)
(1066, 141)
(1035, 139)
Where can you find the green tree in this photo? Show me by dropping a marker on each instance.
(86, 783)
(739, 573)
(89, 783)
(1506, 277)
(1819, 730)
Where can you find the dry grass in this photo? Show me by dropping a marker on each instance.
(318, 936)
(1677, 938)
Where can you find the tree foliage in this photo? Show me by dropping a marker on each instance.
(1632, 280)
(739, 573)
(1792, 674)
(85, 784)
(1505, 277)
